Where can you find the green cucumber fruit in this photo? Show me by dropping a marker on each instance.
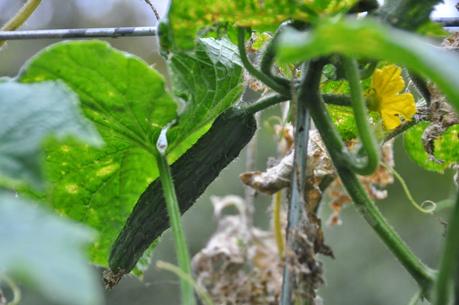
(192, 174)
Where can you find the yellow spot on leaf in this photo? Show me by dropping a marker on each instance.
(65, 148)
(72, 188)
(107, 170)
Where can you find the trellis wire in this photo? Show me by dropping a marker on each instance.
(121, 32)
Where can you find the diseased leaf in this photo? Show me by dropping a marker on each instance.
(446, 147)
(367, 38)
(46, 252)
(127, 101)
(187, 17)
(29, 113)
(129, 104)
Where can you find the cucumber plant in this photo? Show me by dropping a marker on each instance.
(162, 147)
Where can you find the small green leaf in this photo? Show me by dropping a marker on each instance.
(446, 147)
(29, 113)
(46, 252)
(367, 38)
(343, 117)
(209, 80)
(186, 17)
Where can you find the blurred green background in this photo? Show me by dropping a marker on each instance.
(363, 273)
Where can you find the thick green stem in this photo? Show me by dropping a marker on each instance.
(367, 138)
(296, 206)
(449, 262)
(254, 71)
(173, 210)
(21, 16)
(423, 275)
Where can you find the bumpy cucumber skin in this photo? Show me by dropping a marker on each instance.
(192, 174)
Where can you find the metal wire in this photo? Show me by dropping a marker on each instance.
(79, 33)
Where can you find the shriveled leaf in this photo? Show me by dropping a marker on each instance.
(187, 17)
(446, 148)
(128, 102)
(29, 113)
(46, 252)
(367, 38)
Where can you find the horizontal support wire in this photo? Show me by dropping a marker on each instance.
(80, 33)
(122, 32)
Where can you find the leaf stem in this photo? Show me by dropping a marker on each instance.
(269, 55)
(361, 119)
(265, 102)
(423, 275)
(173, 210)
(21, 16)
(254, 71)
(449, 262)
(296, 207)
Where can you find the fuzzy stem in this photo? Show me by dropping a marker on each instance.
(252, 70)
(423, 275)
(296, 207)
(361, 119)
(173, 210)
(21, 16)
(449, 261)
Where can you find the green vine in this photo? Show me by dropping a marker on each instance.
(423, 275)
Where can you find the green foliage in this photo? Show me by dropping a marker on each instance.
(343, 117)
(367, 38)
(186, 17)
(29, 113)
(208, 80)
(46, 252)
(446, 147)
(407, 14)
(129, 104)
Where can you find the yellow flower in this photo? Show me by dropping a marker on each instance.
(385, 97)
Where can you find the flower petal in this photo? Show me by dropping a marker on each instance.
(390, 119)
(388, 81)
(402, 104)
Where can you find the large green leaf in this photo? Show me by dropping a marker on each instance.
(46, 252)
(186, 17)
(446, 148)
(367, 38)
(129, 104)
(29, 113)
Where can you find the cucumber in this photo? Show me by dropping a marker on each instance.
(192, 174)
